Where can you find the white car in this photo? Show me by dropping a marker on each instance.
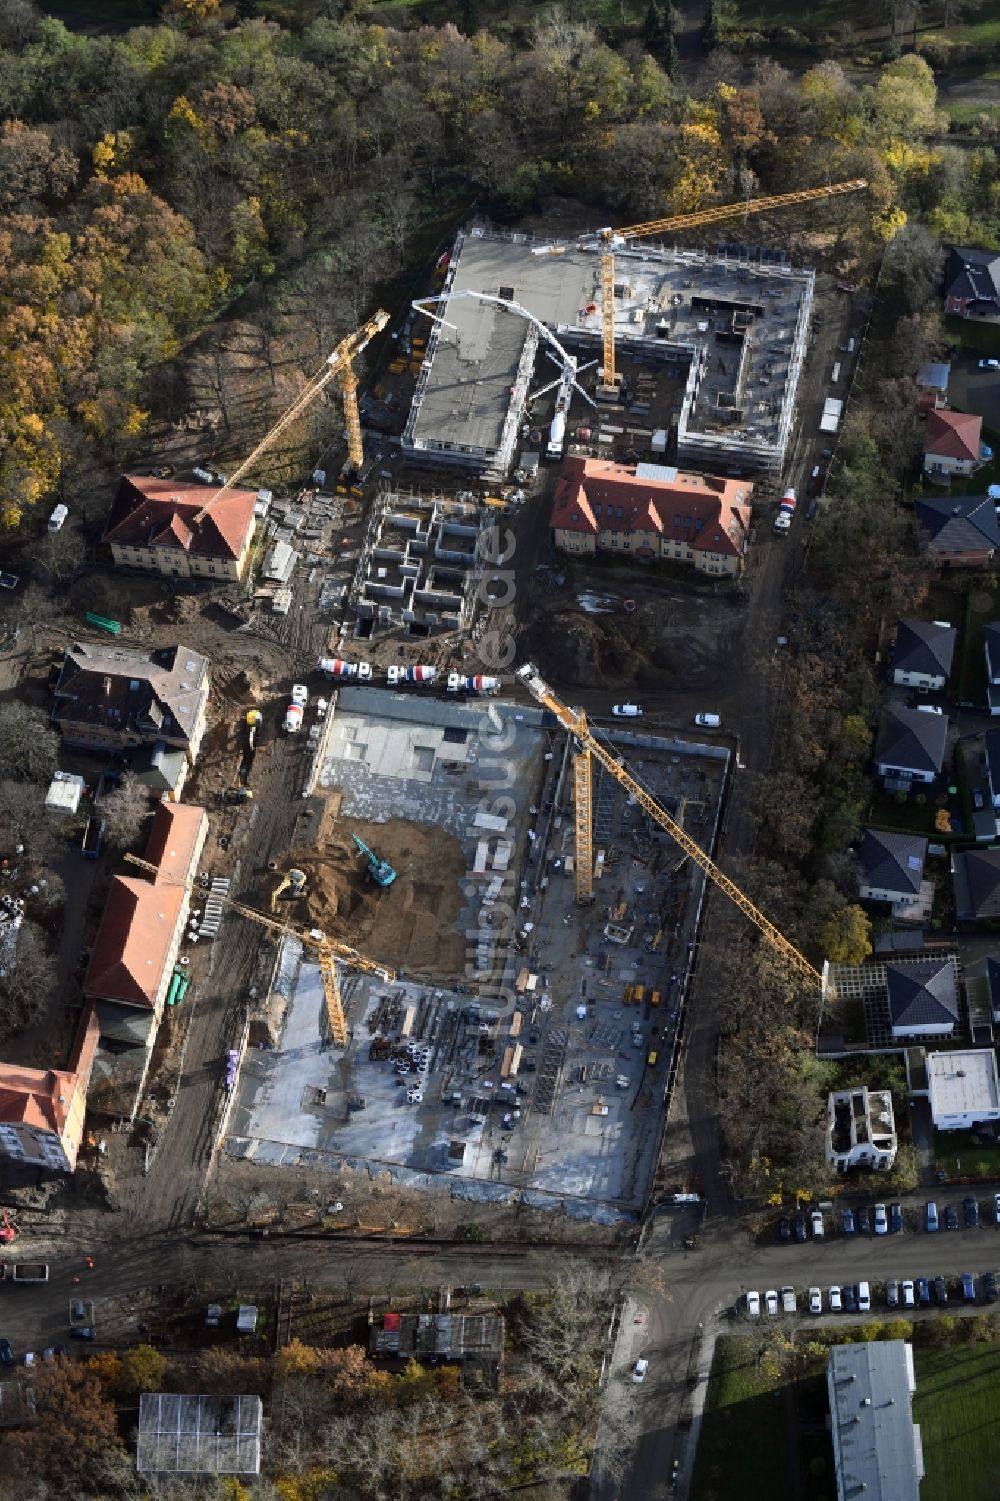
(639, 1371)
(414, 1097)
(753, 1305)
(816, 1224)
(815, 1300)
(708, 721)
(771, 1303)
(989, 364)
(626, 711)
(881, 1220)
(909, 1300)
(836, 1301)
(300, 694)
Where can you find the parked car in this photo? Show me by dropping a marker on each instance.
(864, 1223)
(799, 1226)
(49, 1355)
(989, 1288)
(83, 1331)
(968, 1287)
(708, 721)
(6, 1353)
(753, 1305)
(847, 1221)
(300, 694)
(989, 364)
(789, 1303)
(881, 1220)
(940, 1291)
(951, 1218)
(836, 1301)
(864, 1298)
(850, 1298)
(909, 1297)
(639, 1371)
(29, 1357)
(816, 1224)
(784, 1228)
(970, 1208)
(978, 801)
(895, 1218)
(930, 1216)
(923, 1289)
(771, 1303)
(996, 1209)
(815, 1300)
(626, 711)
(892, 1293)
(414, 1097)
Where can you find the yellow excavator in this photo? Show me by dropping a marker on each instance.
(293, 881)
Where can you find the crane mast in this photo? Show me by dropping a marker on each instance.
(574, 721)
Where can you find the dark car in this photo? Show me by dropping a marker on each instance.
(6, 1353)
(940, 1291)
(892, 1293)
(77, 1312)
(990, 1286)
(850, 1298)
(923, 1292)
(968, 1287)
(895, 1218)
(784, 1228)
(951, 1218)
(799, 1226)
(847, 1221)
(84, 1331)
(864, 1219)
(970, 1208)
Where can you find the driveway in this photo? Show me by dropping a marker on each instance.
(973, 390)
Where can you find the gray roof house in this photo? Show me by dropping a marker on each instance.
(963, 530)
(972, 282)
(923, 653)
(911, 746)
(991, 646)
(923, 997)
(877, 1451)
(932, 377)
(891, 867)
(991, 760)
(975, 878)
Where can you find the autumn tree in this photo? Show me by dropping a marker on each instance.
(74, 1439)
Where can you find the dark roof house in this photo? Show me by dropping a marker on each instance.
(924, 649)
(923, 996)
(117, 695)
(991, 646)
(912, 742)
(892, 863)
(972, 282)
(976, 881)
(962, 529)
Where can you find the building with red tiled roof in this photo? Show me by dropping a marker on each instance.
(152, 526)
(136, 947)
(652, 512)
(42, 1111)
(953, 443)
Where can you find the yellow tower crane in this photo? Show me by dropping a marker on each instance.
(327, 950)
(611, 240)
(339, 367)
(575, 722)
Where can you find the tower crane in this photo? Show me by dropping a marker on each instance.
(326, 949)
(574, 721)
(609, 240)
(339, 367)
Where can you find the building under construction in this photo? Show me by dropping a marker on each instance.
(729, 327)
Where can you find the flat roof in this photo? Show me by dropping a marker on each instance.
(199, 1435)
(876, 1444)
(963, 1082)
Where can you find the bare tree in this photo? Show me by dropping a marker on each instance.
(30, 744)
(125, 810)
(28, 978)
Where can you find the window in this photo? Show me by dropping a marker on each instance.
(687, 520)
(211, 567)
(677, 518)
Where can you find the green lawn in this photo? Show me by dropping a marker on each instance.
(983, 338)
(743, 1451)
(963, 1156)
(909, 817)
(957, 1405)
(981, 606)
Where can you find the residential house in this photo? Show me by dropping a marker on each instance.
(923, 997)
(989, 970)
(991, 762)
(891, 867)
(991, 646)
(962, 529)
(116, 697)
(910, 747)
(952, 444)
(860, 1129)
(932, 383)
(923, 653)
(877, 1451)
(181, 1434)
(972, 283)
(42, 1111)
(652, 512)
(975, 878)
(963, 1088)
(153, 526)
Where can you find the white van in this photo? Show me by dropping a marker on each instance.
(57, 518)
(626, 711)
(864, 1298)
(708, 721)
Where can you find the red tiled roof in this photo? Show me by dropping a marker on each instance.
(953, 435)
(160, 513)
(708, 513)
(173, 837)
(133, 941)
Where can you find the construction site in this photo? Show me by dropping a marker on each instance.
(524, 1043)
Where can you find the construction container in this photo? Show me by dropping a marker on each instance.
(639, 994)
(515, 1024)
(408, 1020)
(654, 999)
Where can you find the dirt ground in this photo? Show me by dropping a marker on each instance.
(408, 925)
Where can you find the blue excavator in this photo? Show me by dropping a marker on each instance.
(379, 871)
